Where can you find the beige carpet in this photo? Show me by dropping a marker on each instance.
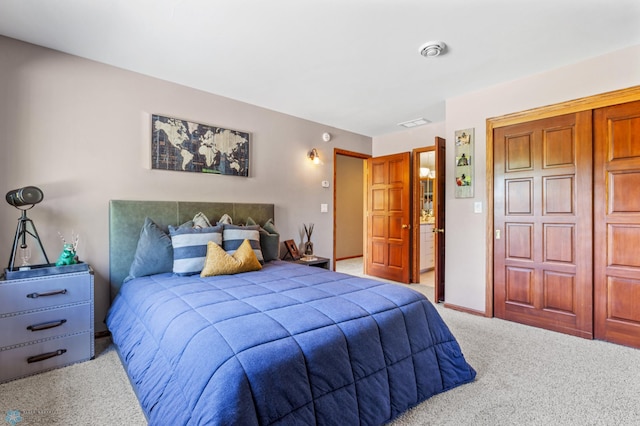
(526, 376)
(95, 392)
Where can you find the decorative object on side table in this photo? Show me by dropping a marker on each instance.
(308, 246)
(292, 249)
(24, 199)
(69, 251)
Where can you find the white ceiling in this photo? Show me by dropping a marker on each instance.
(350, 64)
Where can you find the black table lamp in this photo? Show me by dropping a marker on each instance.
(24, 199)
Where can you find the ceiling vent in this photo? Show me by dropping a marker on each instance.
(432, 49)
(414, 123)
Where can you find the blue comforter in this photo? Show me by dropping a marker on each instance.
(289, 344)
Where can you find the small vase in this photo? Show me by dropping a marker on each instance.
(308, 248)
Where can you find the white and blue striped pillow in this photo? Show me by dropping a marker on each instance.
(190, 247)
(234, 235)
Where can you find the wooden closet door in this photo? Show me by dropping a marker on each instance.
(543, 224)
(617, 223)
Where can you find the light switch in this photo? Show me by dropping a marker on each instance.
(477, 207)
(324, 208)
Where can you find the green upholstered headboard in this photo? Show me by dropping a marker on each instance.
(126, 218)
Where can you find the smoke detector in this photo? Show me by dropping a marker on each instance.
(432, 49)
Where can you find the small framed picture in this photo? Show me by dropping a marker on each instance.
(292, 249)
(463, 166)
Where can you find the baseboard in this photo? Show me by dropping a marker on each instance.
(101, 334)
(349, 257)
(463, 309)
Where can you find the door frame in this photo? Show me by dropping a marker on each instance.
(587, 103)
(415, 213)
(364, 157)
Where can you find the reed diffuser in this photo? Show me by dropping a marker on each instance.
(308, 246)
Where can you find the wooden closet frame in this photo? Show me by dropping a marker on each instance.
(582, 104)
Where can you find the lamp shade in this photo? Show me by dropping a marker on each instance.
(29, 195)
(314, 156)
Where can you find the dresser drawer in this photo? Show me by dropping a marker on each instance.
(23, 328)
(37, 293)
(45, 355)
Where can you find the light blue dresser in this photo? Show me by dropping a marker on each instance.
(46, 322)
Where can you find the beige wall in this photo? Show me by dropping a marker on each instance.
(466, 236)
(80, 131)
(349, 206)
(407, 140)
(466, 230)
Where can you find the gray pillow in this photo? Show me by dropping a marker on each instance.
(270, 227)
(269, 240)
(154, 253)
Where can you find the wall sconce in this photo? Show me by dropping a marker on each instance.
(314, 156)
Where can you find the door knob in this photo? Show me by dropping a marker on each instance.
(405, 226)
(441, 230)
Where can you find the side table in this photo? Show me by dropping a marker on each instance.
(319, 262)
(46, 321)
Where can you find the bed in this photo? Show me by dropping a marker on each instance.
(285, 344)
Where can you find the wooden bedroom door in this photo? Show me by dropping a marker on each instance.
(389, 217)
(543, 223)
(617, 223)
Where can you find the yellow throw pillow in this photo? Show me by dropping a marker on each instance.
(219, 262)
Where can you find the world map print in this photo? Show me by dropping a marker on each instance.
(191, 147)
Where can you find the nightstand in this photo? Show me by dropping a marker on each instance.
(46, 322)
(319, 262)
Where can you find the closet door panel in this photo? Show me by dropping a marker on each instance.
(543, 223)
(617, 224)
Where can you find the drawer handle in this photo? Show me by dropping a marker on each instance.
(46, 325)
(51, 293)
(42, 357)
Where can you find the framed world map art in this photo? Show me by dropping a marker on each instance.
(186, 146)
